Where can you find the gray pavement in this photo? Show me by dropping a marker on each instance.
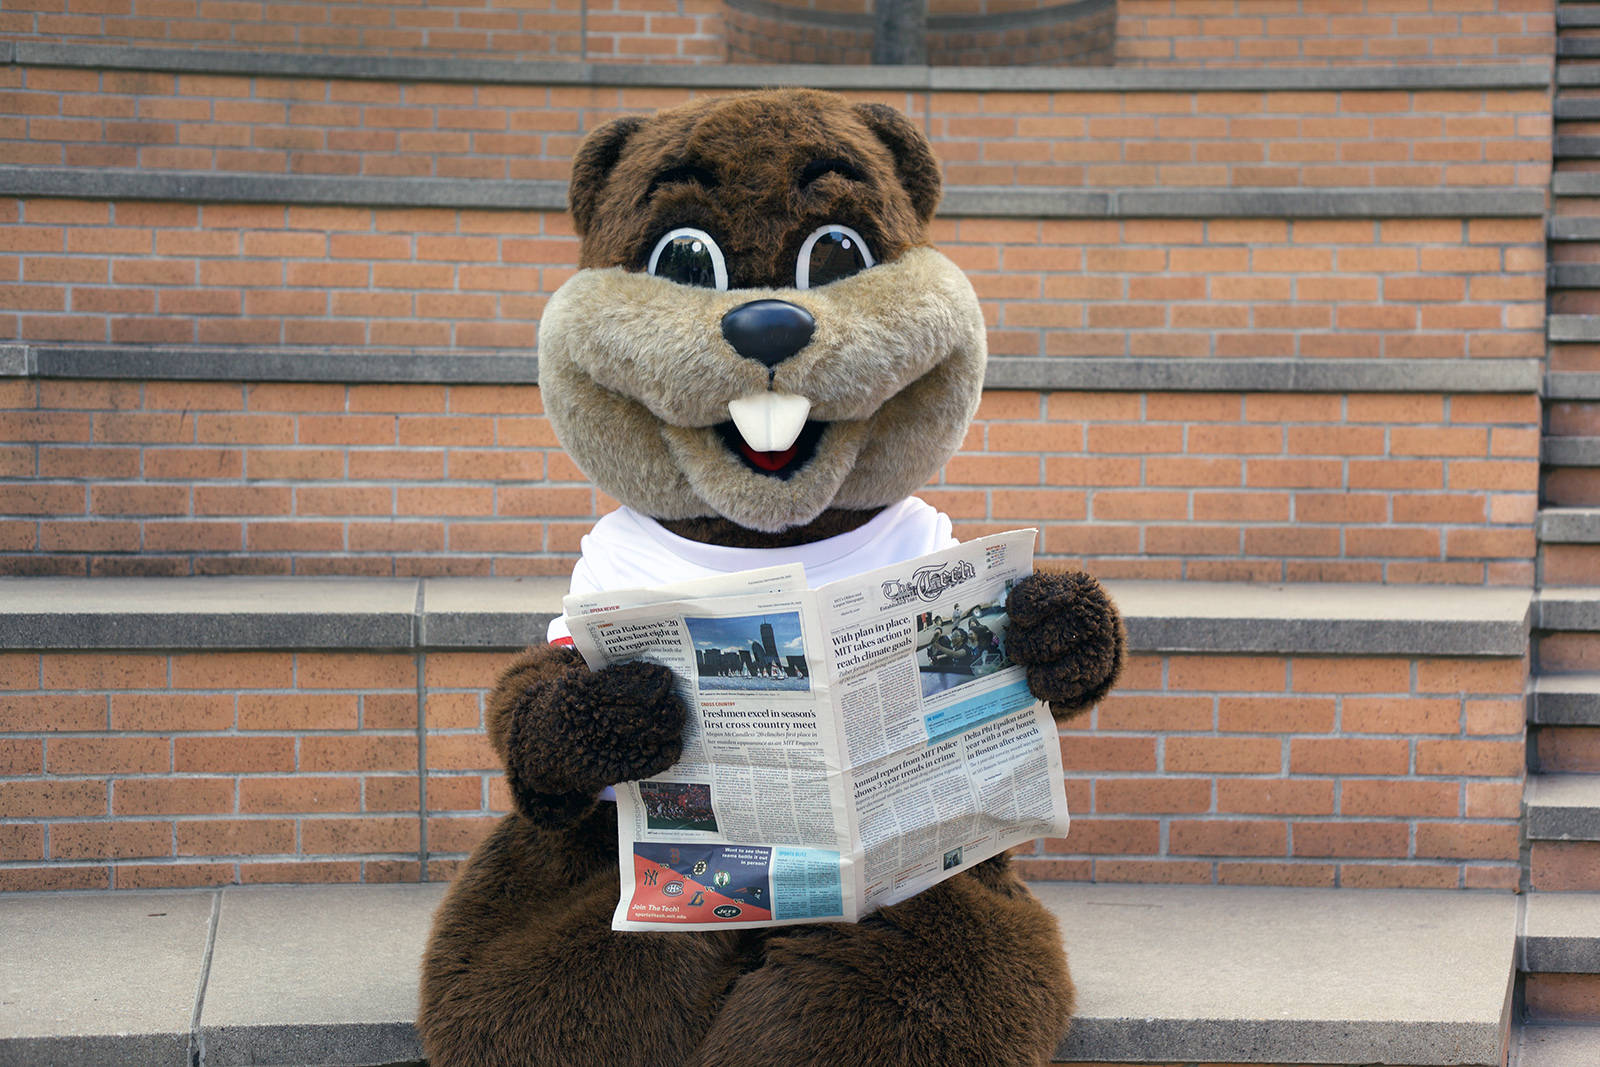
(327, 974)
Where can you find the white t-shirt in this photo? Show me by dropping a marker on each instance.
(627, 550)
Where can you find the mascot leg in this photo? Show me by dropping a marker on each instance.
(968, 972)
(523, 970)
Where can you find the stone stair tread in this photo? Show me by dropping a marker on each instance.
(1574, 228)
(1558, 1046)
(1576, 146)
(327, 974)
(100, 978)
(1562, 807)
(1572, 386)
(1573, 327)
(1566, 699)
(1576, 109)
(1561, 933)
(1576, 15)
(1569, 526)
(1576, 275)
(1578, 48)
(1311, 617)
(1568, 608)
(1573, 451)
(1575, 182)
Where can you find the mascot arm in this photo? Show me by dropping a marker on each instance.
(1066, 631)
(565, 732)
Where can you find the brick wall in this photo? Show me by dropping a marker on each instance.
(1148, 32)
(98, 272)
(1254, 33)
(549, 30)
(140, 770)
(262, 478)
(1318, 771)
(1397, 138)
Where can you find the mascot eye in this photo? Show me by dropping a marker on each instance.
(830, 253)
(689, 257)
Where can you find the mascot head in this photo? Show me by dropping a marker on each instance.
(758, 332)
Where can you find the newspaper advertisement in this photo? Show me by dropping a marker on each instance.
(844, 747)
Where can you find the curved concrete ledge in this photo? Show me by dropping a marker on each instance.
(959, 201)
(465, 613)
(455, 367)
(738, 76)
(328, 974)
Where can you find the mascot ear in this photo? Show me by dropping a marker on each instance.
(592, 165)
(913, 156)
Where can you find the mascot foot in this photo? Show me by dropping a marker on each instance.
(1066, 631)
(968, 972)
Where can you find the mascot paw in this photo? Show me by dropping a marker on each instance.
(1066, 631)
(585, 730)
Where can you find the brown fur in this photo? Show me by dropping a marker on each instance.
(522, 966)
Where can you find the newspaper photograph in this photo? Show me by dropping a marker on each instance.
(845, 747)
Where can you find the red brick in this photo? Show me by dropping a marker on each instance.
(48, 712)
(1227, 838)
(52, 798)
(1274, 796)
(1342, 755)
(290, 795)
(366, 834)
(1151, 795)
(1223, 755)
(1402, 798)
(108, 755)
(172, 796)
(122, 839)
(1100, 753)
(1350, 838)
(235, 837)
(1501, 759)
(233, 755)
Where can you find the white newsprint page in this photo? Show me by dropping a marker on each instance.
(845, 747)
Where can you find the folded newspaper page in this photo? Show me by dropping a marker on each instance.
(845, 747)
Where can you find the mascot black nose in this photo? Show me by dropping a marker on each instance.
(768, 330)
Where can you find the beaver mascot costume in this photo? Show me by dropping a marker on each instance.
(762, 359)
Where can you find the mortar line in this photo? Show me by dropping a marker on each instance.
(197, 1051)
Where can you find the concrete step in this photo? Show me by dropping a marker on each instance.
(1577, 109)
(1572, 451)
(1578, 48)
(1577, 16)
(1570, 526)
(1575, 275)
(1578, 328)
(1574, 228)
(1576, 147)
(1556, 1046)
(1562, 807)
(327, 975)
(1568, 608)
(1572, 386)
(1565, 700)
(1575, 183)
(1561, 933)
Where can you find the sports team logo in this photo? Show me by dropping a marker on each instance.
(684, 882)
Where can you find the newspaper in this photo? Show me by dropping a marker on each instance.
(844, 748)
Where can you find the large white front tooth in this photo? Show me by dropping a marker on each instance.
(769, 422)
